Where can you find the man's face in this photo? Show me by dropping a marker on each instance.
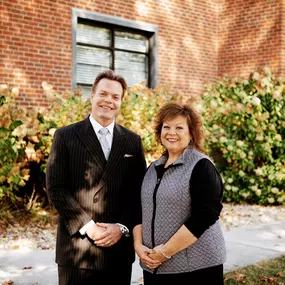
(106, 101)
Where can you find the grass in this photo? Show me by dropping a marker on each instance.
(265, 272)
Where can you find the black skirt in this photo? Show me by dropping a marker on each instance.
(207, 276)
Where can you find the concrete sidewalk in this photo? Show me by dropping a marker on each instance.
(245, 246)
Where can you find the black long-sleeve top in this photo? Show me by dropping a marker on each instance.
(206, 191)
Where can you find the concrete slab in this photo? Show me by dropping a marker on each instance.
(248, 245)
(43, 270)
(245, 246)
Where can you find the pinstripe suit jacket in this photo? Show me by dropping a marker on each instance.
(83, 186)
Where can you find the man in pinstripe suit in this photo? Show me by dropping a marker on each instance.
(93, 180)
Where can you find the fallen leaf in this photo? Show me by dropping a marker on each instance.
(239, 277)
(27, 267)
(270, 280)
(280, 274)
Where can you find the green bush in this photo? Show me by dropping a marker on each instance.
(26, 137)
(245, 129)
(14, 170)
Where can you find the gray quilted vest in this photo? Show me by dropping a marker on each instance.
(173, 208)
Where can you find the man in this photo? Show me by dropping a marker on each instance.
(94, 174)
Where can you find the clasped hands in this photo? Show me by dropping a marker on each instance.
(104, 234)
(151, 258)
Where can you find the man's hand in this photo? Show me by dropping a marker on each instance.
(144, 254)
(110, 236)
(94, 231)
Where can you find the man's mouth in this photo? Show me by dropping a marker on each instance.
(106, 107)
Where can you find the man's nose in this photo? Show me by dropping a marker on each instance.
(108, 98)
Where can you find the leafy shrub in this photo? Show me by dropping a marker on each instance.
(14, 171)
(26, 137)
(246, 129)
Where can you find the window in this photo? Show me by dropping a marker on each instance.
(102, 42)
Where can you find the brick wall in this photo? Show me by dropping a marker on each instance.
(198, 40)
(250, 36)
(35, 41)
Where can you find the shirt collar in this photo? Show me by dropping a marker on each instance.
(97, 127)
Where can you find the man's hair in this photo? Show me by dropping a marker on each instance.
(172, 110)
(110, 75)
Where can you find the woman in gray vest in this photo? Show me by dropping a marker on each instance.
(180, 240)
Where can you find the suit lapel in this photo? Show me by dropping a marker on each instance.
(89, 139)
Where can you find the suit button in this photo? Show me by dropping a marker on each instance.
(95, 199)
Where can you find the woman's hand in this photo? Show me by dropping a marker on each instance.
(157, 255)
(144, 254)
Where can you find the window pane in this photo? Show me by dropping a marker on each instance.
(86, 73)
(96, 56)
(93, 35)
(134, 67)
(86, 91)
(89, 62)
(131, 42)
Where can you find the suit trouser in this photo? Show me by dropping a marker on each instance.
(78, 276)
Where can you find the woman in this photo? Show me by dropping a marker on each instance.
(180, 240)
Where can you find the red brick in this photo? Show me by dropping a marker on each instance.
(198, 40)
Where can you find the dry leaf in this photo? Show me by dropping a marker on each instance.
(239, 277)
(280, 274)
(270, 280)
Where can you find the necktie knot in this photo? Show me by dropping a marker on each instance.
(103, 131)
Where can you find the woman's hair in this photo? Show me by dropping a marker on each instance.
(194, 122)
(110, 75)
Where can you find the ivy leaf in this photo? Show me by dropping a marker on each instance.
(2, 100)
(15, 124)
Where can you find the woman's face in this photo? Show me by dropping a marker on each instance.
(175, 135)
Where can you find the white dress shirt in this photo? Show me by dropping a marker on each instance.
(97, 127)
